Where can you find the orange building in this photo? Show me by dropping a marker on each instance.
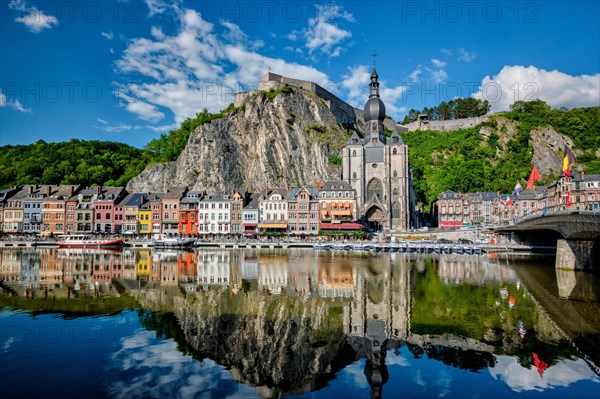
(188, 213)
(54, 209)
(337, 202)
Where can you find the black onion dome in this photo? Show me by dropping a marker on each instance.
(374, 109)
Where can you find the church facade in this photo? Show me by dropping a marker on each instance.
(377, 168)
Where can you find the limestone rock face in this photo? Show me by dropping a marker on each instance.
(548, 149)
(287, 139)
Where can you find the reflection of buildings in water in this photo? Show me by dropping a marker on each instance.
(214, 269)
(187, 263)
(381, 306)
(107, 266)
(336, 280)
(10, 266)
(128, 259)
(476, 270)
(379, 312)
(273, 273)
(303, 273)
(168, 266)
(77, 265)
(142, 263)
(250, 264)
(51, 267)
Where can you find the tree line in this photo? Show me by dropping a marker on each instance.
(454, 109)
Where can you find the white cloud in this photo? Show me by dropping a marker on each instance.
(123, 127)
(356, 82)
(196, 68)
(438, 76)
(556, 88)
(102, 121)
(324, 34)
(158, 6)
(519, 378)
(14, 104)
(438, 63)
(145, 111)
(414, 75)
(461, 54)
(108, 35)
(235, 35)
(466, 56)
(32, 17)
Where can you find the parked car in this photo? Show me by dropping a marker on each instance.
(464, 241)
(444, 241)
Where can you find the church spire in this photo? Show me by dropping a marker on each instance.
(374, 85)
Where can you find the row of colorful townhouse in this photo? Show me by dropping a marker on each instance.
(68, 209)
(573, 193)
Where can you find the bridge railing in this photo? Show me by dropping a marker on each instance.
(584, 207)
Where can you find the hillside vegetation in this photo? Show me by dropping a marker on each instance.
(467, 161)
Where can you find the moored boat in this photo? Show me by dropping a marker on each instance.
(163, 241)
(86, 241)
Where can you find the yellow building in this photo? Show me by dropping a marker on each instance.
(145, 219)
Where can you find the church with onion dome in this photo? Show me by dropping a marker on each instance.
(377, 167)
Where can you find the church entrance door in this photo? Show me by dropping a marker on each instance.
(374, 218)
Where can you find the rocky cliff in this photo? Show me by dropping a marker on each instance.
(287, 138)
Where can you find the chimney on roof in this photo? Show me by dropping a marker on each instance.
(582, 174)
(319, 184)
(48, 190)
(30, 189)
(70, 191)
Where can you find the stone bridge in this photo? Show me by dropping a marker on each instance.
(579, 247)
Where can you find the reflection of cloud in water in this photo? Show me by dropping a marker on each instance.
(7, 344)
(444, 381)
(148, 367)
(355, 373)
(519, 378)
(396, 360)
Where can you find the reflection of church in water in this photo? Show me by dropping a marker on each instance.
(378, 316)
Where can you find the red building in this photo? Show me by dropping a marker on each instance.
(188, 213)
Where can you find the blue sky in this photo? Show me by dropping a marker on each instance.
(128, 70)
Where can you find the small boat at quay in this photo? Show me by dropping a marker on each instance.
(162, 241)
(86, 241)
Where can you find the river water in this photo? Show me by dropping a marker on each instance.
(298, 323)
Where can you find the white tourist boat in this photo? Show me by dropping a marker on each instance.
(86, 241)
(161, 241)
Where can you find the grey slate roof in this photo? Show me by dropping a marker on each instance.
(336, 185)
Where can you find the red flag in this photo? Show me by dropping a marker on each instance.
(535, 175)
(568, 161)
(539, 364)
(568, 198)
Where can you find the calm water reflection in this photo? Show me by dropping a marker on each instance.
(271, 323)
